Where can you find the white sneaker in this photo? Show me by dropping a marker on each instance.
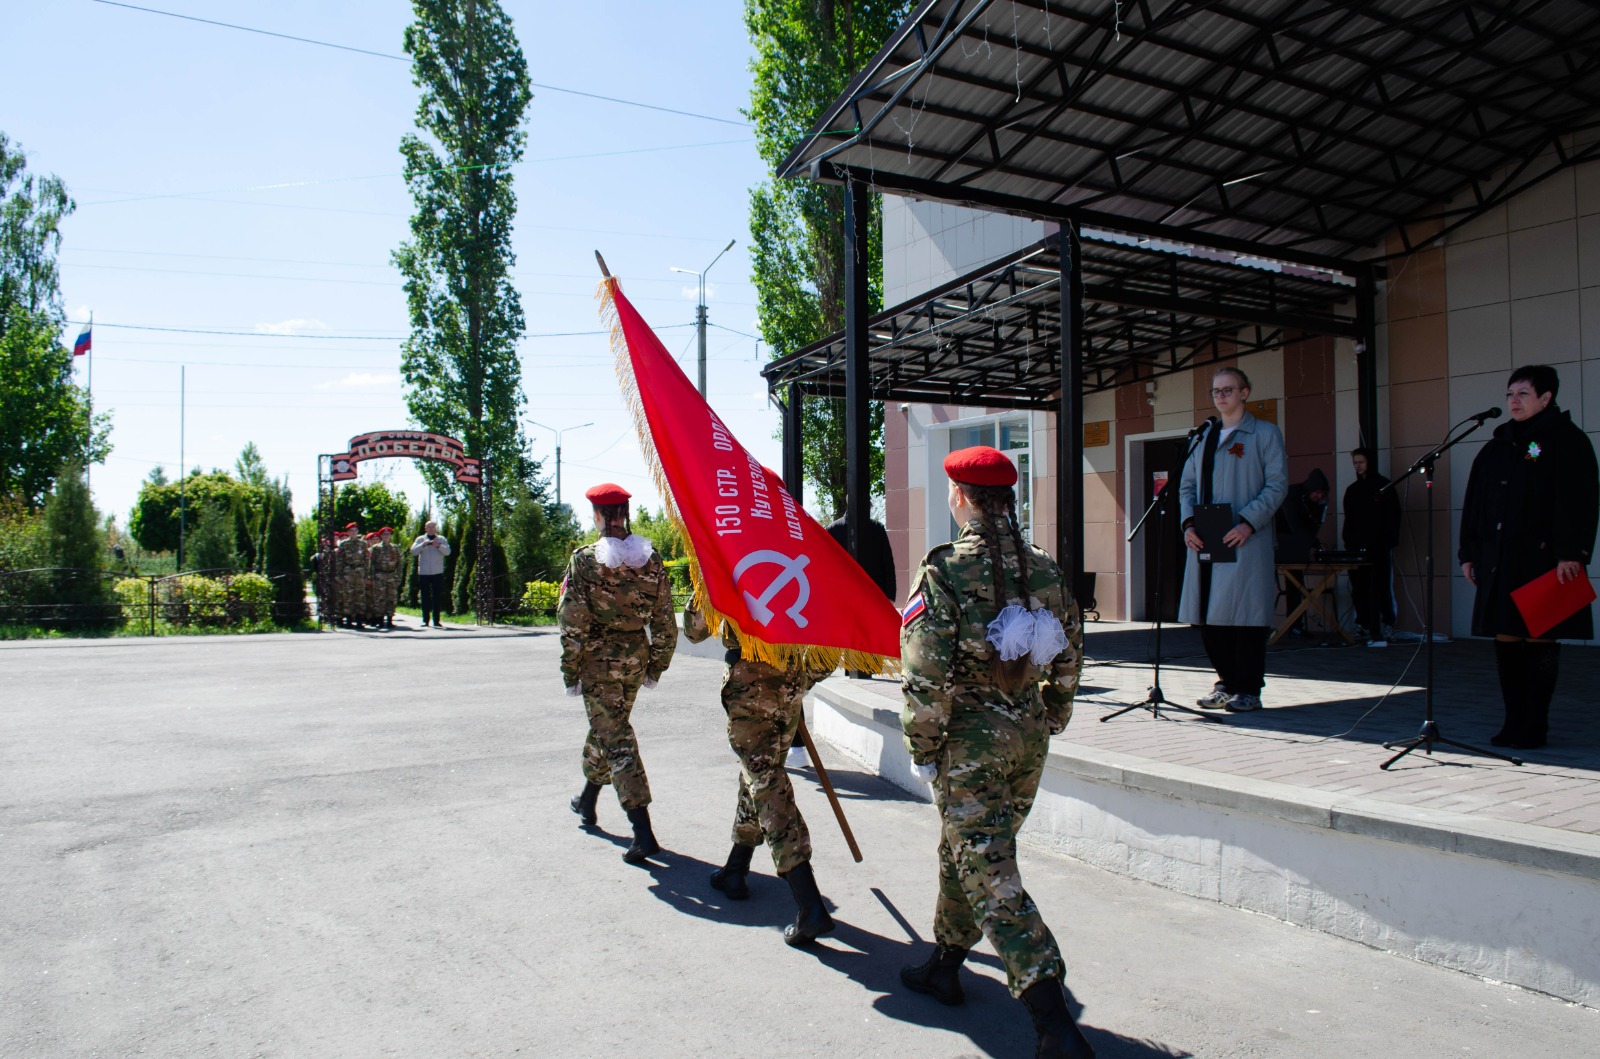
(1244, 703)
(1377, 643)
(798, 758)
(1214, 701)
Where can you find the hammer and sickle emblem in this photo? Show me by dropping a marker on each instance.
(792, 570)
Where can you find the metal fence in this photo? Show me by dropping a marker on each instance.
(74, 598)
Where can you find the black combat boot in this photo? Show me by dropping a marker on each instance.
(644, 839)
(940, 977)
(811, 920)
(1059, 1036)
(730, 878)
(584, 804)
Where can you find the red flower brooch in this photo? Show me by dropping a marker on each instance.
(1237, 450)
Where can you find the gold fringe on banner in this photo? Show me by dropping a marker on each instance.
(810, 657)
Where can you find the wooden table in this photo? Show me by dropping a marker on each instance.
(1311, 596)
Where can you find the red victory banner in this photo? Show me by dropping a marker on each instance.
(415, 444)
(759, 563)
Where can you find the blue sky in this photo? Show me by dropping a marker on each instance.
(230, 181)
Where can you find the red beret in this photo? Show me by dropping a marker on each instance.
(386, 529)
(607, 493)
(980, 465)
(350, 526)
(372, 536)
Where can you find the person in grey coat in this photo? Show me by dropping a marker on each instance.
(1240, 462)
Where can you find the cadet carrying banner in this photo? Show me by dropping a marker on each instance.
(757, 560)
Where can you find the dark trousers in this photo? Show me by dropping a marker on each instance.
(1372, 595)
(431, 588)
(1239, 655)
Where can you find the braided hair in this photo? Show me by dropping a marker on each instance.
(613, 516)
(999, 502)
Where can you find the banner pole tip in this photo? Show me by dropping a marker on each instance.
(603, 270)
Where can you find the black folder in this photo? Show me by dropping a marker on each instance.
(1212, 522)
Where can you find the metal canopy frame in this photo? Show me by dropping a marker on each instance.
(1315, 127)
(992, 338)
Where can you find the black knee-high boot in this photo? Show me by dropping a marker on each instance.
(1510, 662)
(1543, 662)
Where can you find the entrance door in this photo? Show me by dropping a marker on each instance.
(1163, 539)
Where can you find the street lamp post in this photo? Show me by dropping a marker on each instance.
(558, 434)
(700, 313)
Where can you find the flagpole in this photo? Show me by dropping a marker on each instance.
(181, 369)
(88, 454)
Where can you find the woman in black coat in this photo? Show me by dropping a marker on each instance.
(1532, 504)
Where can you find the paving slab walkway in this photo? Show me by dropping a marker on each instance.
(1330, 709)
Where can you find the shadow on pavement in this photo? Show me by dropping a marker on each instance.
(996, 1024)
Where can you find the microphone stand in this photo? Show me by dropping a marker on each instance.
(1430, 733)
(1156, 700)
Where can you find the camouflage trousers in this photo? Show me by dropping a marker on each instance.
(611, 752)
(764, 707)
(351, 598)
(385, 591)
(989, 776)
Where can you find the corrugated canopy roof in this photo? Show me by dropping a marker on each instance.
(1311, 126)
(993, 337)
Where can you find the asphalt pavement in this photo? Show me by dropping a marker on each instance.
(359, 845)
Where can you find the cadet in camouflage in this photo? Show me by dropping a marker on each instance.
(385, 567)
(764, 705)
(617, 632)
(978, 727)
(350, 576)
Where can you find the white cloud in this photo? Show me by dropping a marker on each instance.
(356, 379)
(290, 327)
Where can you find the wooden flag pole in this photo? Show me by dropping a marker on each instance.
(827, 788)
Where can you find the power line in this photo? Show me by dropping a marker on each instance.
(395, 337)
(406, 59)
(390, 176)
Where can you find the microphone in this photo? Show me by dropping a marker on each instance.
(1487, 413)
(1210, 421)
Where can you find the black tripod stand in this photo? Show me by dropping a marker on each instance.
(1156, 700)
(1430, 734)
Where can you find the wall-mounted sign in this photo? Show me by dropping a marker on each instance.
(1096, 434)
(1266, 411)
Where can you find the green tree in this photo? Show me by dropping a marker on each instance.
(806, 53)
(45, 420)
(370, 505)
(75, 544)
(210, 544)
(156, 513)
(282, 562)
(460, 365)
(537, 537)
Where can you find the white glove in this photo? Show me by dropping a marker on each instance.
(575, 691)
(650, 683)
(925, 773)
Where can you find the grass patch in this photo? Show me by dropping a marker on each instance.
(142, 628)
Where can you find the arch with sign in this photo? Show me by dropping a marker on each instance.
(333, 468)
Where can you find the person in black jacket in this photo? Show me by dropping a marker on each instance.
(1371, 527)
(1532, 504)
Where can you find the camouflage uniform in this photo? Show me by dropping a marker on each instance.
(764, 706)
(603, 614)
(385, 579)
(990, 748)
(350, 570)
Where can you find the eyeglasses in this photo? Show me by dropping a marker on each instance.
(1224, 391)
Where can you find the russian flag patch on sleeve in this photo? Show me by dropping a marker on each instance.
(915, 608)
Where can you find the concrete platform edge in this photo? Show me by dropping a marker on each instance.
(1513, 902)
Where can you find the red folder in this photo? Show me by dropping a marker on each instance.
(1546, 602)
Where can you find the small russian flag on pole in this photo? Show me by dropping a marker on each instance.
(81, 346)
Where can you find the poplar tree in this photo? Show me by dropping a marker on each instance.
(806, 51)
(460, 364)
(45, 421)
